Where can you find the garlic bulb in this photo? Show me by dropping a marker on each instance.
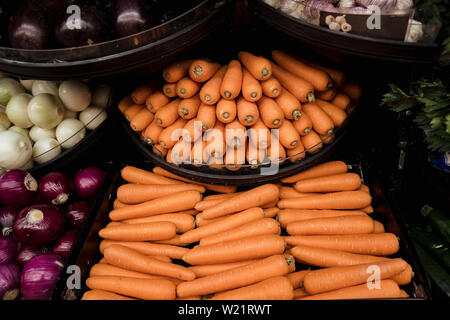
(404, 4)
(346, 3)
(288, 6)
(274, 3)
(414, 32)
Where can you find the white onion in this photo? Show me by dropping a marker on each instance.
(69, 132)
(68, 114)
(45, 110)
(20, 130)
(2, 128)
(29, 165)
(15, 150)
(37, 133)
(92, 117)
(4, 120)
(8, 88)
(101, 97)
(46, 149)
(27, 84)
(17, 110)
(43, 86)
(75, 95)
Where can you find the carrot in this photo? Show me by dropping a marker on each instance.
(232, 80)
(254, 228)
(210, 91)
(235, 134)
(159, 150)
(140, 176)
(271, 87)
(226, 224)
(378, 227)
(365, 188)
(248, 199)
(207, 116)
(103, 295)
(326, 95)
(187, 88)
(136, 193)
(341, 100)
(198, 155)
(332, 183)
(276, 288)
(335, 200)
(312, 142)
(276, 152)
(147, 289)
(301, 89)
(183, 222)
(147, 248)
(323, 169)
(236, 250)
(251, 88)
(171, 134)
(168, 114)
(190, 298)
(192, 130)
(133, 110)
(201, 70)
(156, 101)
(404, 277)
(296, 278)
(188, 108)
(303, 125)
(209, 269)
(270, 112)
(254, 155)
(259, 67)
(200, 221)
(170, 90)
(299, 293)
(113, 223)
(117, 204)
(216, 188)
(215, 140)
(318, 78)
(260, 270)
(204, 204)
(141, 120)
(379, 244)
(337, 115)
(368, 209)
(353, 90)
(337, 76)
(287, 216)
(151, 134)
(260, 135)
(289, 104)
(124, 103)
(288, 135)
(175, 241)
(226, 110)
(175, 71)
(387, 289)
(129, 259)
(296, 153)
(161, 230)
(290, 192)
(356, 224)
(271, 212)
(141, 93)
(321, 121)
(404, 294)
(179, 201)
(105, 269)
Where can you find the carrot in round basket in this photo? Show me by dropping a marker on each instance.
(235, 134)
(255, 247)
(141, 120)
(183, 222)
(129, 259)
(276, 152)
(140, 176)
(132, 110)
(263, 269)
(289, 104)
(286, 216)
(184, 200)
(209, 269)
(321, 121)
(170, 135)
(232, 80)
(170, 90)
(379, 244)
(271, 87)
(326, 95)
(226, 110)
(296, 278)
(340, 182)
(192, 130)
(301, 89)
(132, 193)
(387, 289)
(260, 135)
(303, 125)
(356, 224)
(276, 288)
(161, 230)
(337, 76)
(248, 199)
(187, 88)
(254, 155)
(105, 269)
(159, 150)
(251, 88)
(202, 70)
(141, 93)
(151, 134)
(103, 295)
(353, 90)
(318, 78)
(215, 141)
(207, 116)
(324, 169)
(146, 289)
(270, 112)
(288, 135)
(259, 67)
(168, 114)
(188, 108)
(147, 248)
(175, 71)
(210, 91)
(341, 100)
(297, 153)
(156, 101)
(336, 114)
(247, 112)
(312, 142)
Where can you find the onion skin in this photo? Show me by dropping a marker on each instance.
(63, 246)
(26, 252)
(17, 188)
(55, 188)
(77, 213)
(9, 281)
(39, 276)
(8, 249)
(7, 216)
(88, 182)
(38, 225)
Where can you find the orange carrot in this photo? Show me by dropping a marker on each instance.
(303, 125)
(103, 295)
(226, 110)
(192, 130)
(260, 135)
(151, 134)
(312, 142)
(296, 278)
(254, 155)
(271, 212)
(105, 269)
(337, 115)
(147, 289)
(288, 135)
(355, 224)
(170, 90)
(190, 298)
(187, 88)
(321, 122)
(171, 134)
(260, 270)
(141, 120)
(147, 248)
(132, 110)
(200, 221)
(183, 222)
(378, 227)
(289, 104)
(124, 103)
(368, 209)
(140, 176)
(188, 108)
(301, 89)
(287, 216)
(168, 114)
(137, 193)
(209, 269)
(161, 230)
(271, 87)
(202, 70)
(365, 188)
(326, 95)
(159, 150)
(276, 152)
(259, 67)
(299, 293)
(270, 112)
(175, 71)
(141, 93)
(333, 183)
(117, 204)
(296, 153)
(175, 241)
(337, 76)
(204, 204)
(207, 116)
(179, 201)
(341, 100)
(156, 101)
(232, 81)
(251, 88)
(353, 90)
(235, 134)
(290, 192)
(323, 169)
(215, 140)
(210, 91)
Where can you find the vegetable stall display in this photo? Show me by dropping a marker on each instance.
(310, 237)
(40, 223)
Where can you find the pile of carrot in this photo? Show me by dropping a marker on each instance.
(310, 236)
(251, 95)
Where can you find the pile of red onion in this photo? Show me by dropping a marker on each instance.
(39, 225)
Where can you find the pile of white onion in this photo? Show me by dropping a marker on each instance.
(39, 119)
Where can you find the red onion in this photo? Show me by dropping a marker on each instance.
(88, 182)
(77, 214)
(38, 225)
(17, 188)
(55, 187)
(8, 249)
(313, 8)
(27, 252)
(63, 246)
(39, 276)
(9, 281)
(7, 216)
